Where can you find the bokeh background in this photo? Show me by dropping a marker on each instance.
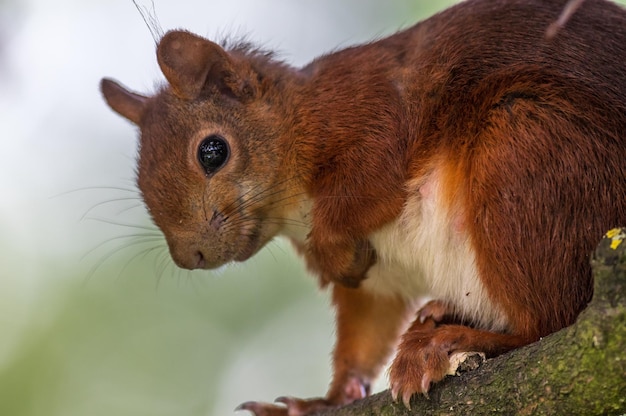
(94, 318)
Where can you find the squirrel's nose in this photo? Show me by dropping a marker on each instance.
(199, 260)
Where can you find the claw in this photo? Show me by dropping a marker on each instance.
(299, 407)
(434, 310)
(426, 384)
(262, 409)
(286, 400)
(249, 406)
(406, 396)
(406, 399)
(243, 406)
(394, 393)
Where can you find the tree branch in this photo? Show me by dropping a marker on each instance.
(580, 370)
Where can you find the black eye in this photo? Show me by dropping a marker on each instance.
(213, 153)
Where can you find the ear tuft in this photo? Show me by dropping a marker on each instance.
(124, 102)
(190, 62)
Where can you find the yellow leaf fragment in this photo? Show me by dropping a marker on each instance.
(617, 235)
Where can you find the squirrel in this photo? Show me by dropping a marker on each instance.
(447, 183)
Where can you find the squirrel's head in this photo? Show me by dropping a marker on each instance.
(213, 166)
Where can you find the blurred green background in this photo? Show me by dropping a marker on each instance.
(94, 318)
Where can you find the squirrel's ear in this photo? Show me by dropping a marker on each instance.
(126, 103)
(190, 62)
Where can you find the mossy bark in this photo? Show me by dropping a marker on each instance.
(580, 370)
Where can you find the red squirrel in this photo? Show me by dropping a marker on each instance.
(470, 160)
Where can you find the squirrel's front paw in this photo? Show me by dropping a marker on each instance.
(290, 407)
(364, 257)
(345, 263)
(420, 361)
(346, 389)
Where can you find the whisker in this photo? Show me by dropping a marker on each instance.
(269, 220)
(241, 221)
(243, 203)
(273, 244)
(273, 186)
(287, 221)
(269, 250)
(173, 269)
(107, 202)
(121, 224)
(194, 283)
(94, 188)
(160, 266)
(139, 254)
(141, 237)
(140, 205)
(296, 199)
(283, 221)
(112, 252)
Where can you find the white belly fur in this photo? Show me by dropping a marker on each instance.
(425, 254)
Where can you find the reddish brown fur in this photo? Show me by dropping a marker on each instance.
(527, 132)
